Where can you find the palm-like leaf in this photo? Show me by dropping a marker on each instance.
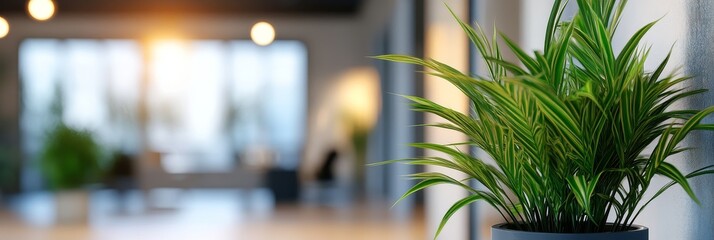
(567, 127)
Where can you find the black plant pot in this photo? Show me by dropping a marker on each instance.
(501, 232)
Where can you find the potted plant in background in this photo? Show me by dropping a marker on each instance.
(69, 162)
(567, 129)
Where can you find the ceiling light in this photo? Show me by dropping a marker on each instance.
(262, 33)
(41, 9)
(4, 27)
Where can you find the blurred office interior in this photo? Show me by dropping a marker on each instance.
(256, 119)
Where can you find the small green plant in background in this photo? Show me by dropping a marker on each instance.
(70, 159)
(567, 127)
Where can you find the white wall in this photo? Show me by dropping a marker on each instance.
(667, 217)
(533, 22)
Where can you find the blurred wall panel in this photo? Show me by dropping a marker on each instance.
(445, 42)
(699, 59)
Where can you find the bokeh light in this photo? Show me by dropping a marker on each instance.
(262, 33)
(4, 27)
(41, 9)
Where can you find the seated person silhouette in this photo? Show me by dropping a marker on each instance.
(327, 171)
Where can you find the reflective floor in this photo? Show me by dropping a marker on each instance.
(206, 214)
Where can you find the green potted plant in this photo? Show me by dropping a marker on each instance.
(69, 162)
(567, 128)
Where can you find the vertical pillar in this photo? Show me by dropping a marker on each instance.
(698, 62)
(400, 80)
(446, 42)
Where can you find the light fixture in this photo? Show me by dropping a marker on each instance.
(359, 98)
(4, 27)
(262, 33)
(41, 9)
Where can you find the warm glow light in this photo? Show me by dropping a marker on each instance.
(41, 9)
(4, 27)
(168, 67)
(359, 97)
(262, 33)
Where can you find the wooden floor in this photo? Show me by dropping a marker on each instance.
(208, 214)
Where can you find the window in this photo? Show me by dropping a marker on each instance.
(207, 100)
